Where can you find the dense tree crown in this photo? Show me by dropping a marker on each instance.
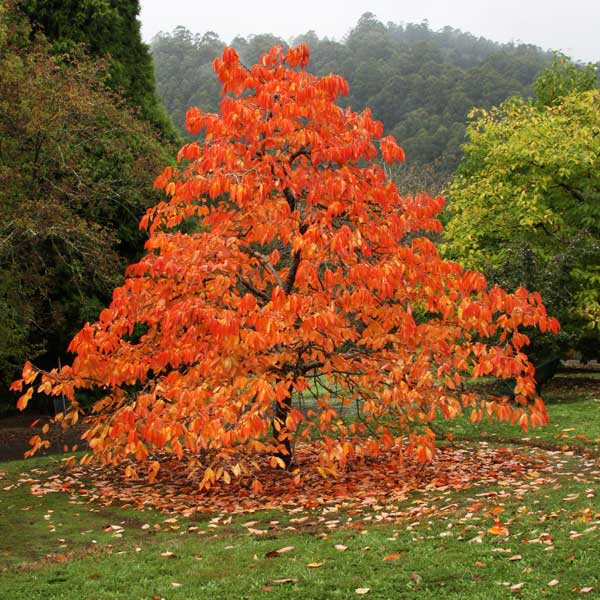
(301, 297)
(76, 169)
(525, 203)
(105, 28)
(421, 83)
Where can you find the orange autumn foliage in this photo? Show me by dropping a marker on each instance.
(284, 264)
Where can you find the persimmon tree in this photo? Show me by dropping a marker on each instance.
(284, 265)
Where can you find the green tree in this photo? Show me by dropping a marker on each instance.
(563, 78)
(525, 204)
(76, 170)
(111, 29)
(184, 72)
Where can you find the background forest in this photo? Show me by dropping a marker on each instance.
(420, 83)
(83, 133)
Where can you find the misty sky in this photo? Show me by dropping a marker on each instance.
(570, 26)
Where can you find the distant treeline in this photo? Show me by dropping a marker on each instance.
(421, 83)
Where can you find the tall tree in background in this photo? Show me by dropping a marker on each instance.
(303, 270)
(184, 72)
(111, 29)
(76, 170)
(525, 204)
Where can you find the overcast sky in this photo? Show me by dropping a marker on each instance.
(572, 26)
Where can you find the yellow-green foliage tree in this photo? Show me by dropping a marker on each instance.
(525, 203)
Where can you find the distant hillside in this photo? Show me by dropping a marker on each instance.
(420, 83)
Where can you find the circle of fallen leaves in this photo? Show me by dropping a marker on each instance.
(369, 484)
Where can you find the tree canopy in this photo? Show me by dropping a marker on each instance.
(106, 29)
(76, 171)
(525, 204)
(301, 273)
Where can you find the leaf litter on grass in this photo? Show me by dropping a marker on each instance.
(369, 491)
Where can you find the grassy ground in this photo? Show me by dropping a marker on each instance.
(573, 403)
(58, 547)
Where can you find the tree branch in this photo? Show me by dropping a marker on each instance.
(251, 288)
(303, 151)
(291, 278)
(575, 192)
(291, 199)
(265, 261)
(305, 367)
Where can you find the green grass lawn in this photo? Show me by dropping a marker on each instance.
(574, 413)
(56, 546)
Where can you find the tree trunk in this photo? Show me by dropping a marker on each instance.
(280, 431)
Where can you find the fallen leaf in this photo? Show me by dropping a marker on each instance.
(553, 582)
(340, 547)
(516, 587)
(516, 557)
(362, 590)
(250, 523)
(275, 553)
(168, 554)
(498, 529)
(175, 584)
(586, 590)
(479, 564)
(391, 557)
(284, 580)
(314, 565)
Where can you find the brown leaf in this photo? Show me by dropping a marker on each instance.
(553, 582)
(275, 553)
(341, 547)
(168, 554)
(516, 587)
(314, 565)
(516, 557)
(284, 580)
